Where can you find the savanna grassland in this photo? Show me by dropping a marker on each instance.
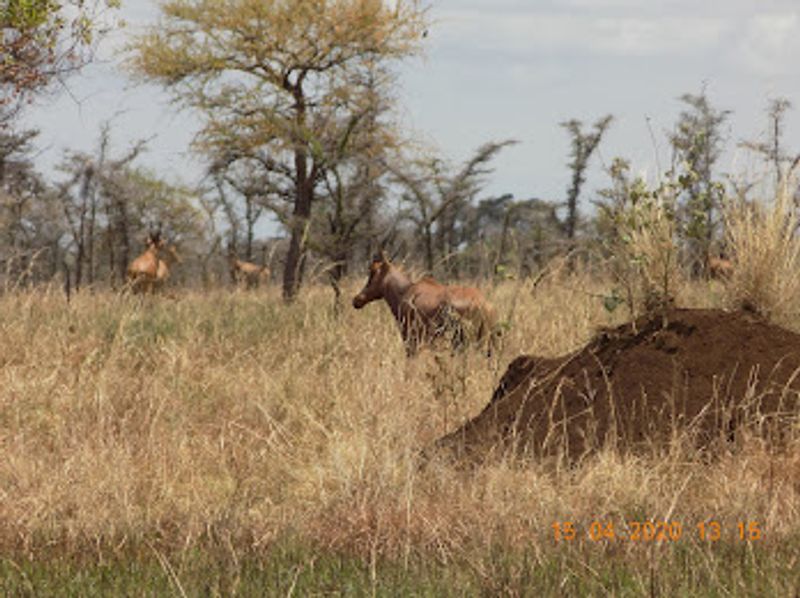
(224, 442)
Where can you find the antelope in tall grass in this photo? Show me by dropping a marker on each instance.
(247, 273)
(426, 310)
(150, 271)
(719, 268)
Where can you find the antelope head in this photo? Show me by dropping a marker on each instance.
(374, 289)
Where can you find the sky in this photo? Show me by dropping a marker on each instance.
(506, 69)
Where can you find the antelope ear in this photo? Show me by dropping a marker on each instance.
(384, 257)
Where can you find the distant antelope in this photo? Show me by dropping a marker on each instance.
(720, 268)
(150, 271)
(249, 274)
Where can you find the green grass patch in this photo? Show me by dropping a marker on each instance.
(722, 569)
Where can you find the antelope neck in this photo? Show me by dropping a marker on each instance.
(396, 284)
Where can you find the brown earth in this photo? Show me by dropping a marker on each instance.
(699, 376)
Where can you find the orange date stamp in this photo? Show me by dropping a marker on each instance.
(657, 531)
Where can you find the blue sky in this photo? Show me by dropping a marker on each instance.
(498, 69)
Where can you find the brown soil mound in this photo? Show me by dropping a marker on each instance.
(702, 376)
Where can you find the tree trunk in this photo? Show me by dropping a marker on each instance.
(295, 258)
(304, 196)
(91, 266)
(250, 221)
(123, 238)
(80, 254)
(111, 254)
(428, 235)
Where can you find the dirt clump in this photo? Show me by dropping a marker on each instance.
(701, 377)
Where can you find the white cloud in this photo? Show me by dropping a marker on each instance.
(530, 32)
(770, 43)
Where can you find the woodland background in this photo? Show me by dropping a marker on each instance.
(302, 131)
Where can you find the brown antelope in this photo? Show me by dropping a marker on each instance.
(719, 268)
(150, 271)
(247, 273)
(426, 309)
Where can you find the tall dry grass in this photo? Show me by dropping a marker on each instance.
(763, 243)
(229, 418)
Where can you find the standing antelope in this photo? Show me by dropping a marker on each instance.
(150, 271)
(247, 273)
(426, 310)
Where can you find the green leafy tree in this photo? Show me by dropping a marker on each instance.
(617, 201)
(637, 231)
(697, 142)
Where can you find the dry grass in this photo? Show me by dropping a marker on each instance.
(762, 239)
(232, 419)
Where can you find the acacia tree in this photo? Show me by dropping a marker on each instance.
(274, 81)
